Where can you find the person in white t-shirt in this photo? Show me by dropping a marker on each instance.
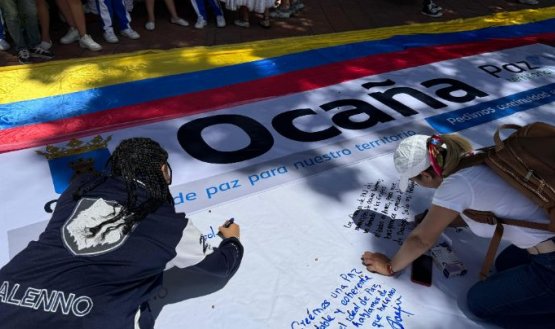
(521, 293)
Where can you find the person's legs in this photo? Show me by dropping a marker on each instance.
(11, 16)
(13, 24)
(63, 6)
(219, 12)
(105, 11)
(72, 33)
(216, 7)
(200, 10)
(510, 257)
(170, 4)
(77, 16)
(123, 17)
(521, 296)
(44, 22)
(28, 14)
(243, 20)
(265, 22)
(150, 13)
(4, 45)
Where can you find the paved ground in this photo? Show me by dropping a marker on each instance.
(319, 17)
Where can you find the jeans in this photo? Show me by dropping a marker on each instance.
(22, 22)
(2, 36)
(521, 294)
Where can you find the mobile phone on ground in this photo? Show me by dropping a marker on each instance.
(422, 270)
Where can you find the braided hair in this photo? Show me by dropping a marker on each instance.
(137, 162)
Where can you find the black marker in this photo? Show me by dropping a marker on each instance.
(229, 222)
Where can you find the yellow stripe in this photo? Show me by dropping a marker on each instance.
(24, 82)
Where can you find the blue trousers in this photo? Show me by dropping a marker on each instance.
(521, 294)
(200, 8)
(109, 8)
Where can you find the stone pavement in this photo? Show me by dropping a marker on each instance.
(319, 17)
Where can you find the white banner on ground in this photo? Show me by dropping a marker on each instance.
(292, 170)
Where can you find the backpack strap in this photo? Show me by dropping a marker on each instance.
(497, 138)
(470, 159)
(488, 217)
(492, 251)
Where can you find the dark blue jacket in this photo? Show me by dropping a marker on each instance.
(67, 279)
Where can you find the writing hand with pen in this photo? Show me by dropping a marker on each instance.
(229, 229)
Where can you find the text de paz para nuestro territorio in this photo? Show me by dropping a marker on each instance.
(213, 190)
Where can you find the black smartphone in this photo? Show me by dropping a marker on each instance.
(422, 270)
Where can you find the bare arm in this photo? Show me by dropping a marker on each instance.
(422, 238)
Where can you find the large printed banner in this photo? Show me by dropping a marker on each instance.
(290, 149)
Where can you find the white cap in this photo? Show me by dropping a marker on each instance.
(411, 158)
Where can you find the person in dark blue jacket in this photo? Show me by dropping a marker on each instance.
(104, 251)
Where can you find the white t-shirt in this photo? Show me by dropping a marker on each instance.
(480, 188)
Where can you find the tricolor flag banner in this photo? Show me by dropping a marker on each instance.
(290, 137)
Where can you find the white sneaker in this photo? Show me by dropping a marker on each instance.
(242, 23)
(220, 21)
(71, 36)
(4, 45)
(87, 42)
(130, 33)
(201, 23)
(46, 45)
(150, 26)
(179, 21)
(110, 36)
(529, 2)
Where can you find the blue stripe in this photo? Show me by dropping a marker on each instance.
(94, 100)
(489, 111)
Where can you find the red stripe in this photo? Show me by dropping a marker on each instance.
(209, 100)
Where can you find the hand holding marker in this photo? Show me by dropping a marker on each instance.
(229, 222)
(229, 229)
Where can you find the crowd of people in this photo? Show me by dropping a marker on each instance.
(27, 22)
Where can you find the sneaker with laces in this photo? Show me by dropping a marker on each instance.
(220, 21)
(130, 33)
(529, 2)
(200, 24)
(242, 23)
(88, 43)
(71, 36)
(110, 36)
(4, 45)
(23, 56)
(432, 10)
(179, 21)
(39, 52)
(150, 26)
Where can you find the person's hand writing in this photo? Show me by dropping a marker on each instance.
(376, 262)
(233, 231)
